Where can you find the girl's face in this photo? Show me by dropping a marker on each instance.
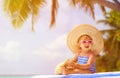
(85, 42)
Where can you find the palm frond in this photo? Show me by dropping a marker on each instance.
(53, 12)
(117, 2)
(118, 35)
(108, 31)
(18, 10)
(113, 43)
(10, 7)
(103, 9)
(74, 2)
(103, 21)
(107, 22)
(91, 9)
(88, 5)
(35, 6)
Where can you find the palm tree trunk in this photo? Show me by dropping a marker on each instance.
(115, 6)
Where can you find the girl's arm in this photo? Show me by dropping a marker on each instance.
(91, 60)
(74, 59)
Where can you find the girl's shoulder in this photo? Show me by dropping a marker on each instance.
(91, 53)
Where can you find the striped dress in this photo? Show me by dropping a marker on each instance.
(83, 60)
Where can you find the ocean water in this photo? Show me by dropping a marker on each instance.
(15, 76)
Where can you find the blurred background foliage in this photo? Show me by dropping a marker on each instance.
(109, 60)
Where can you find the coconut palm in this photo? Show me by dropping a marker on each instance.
(19, 10)
(111, 60)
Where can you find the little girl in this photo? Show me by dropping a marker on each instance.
(85, 41)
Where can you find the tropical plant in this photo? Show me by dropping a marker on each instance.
(19, 10)
(110, 61)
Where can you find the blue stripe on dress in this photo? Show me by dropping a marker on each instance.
(83, 60)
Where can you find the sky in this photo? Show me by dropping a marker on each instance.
(23, 52)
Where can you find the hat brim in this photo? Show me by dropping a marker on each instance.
(90, 30)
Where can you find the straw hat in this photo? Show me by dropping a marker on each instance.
(87, 29)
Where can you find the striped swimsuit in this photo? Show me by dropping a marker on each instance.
(83, 60)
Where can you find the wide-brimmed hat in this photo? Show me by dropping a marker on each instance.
(94, 33)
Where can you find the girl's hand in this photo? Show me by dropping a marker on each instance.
(69, 64)
(76, 65)
(70, 67)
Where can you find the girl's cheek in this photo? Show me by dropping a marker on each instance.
(82, 46)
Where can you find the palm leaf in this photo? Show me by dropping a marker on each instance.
(109, 31)
(85, 4)
(18, 10)
(117, 2)
(103, 9)
(53, 12)
(35, 6)
(103, 21)
(108, 22)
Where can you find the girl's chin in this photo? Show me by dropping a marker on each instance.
(87, 49)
